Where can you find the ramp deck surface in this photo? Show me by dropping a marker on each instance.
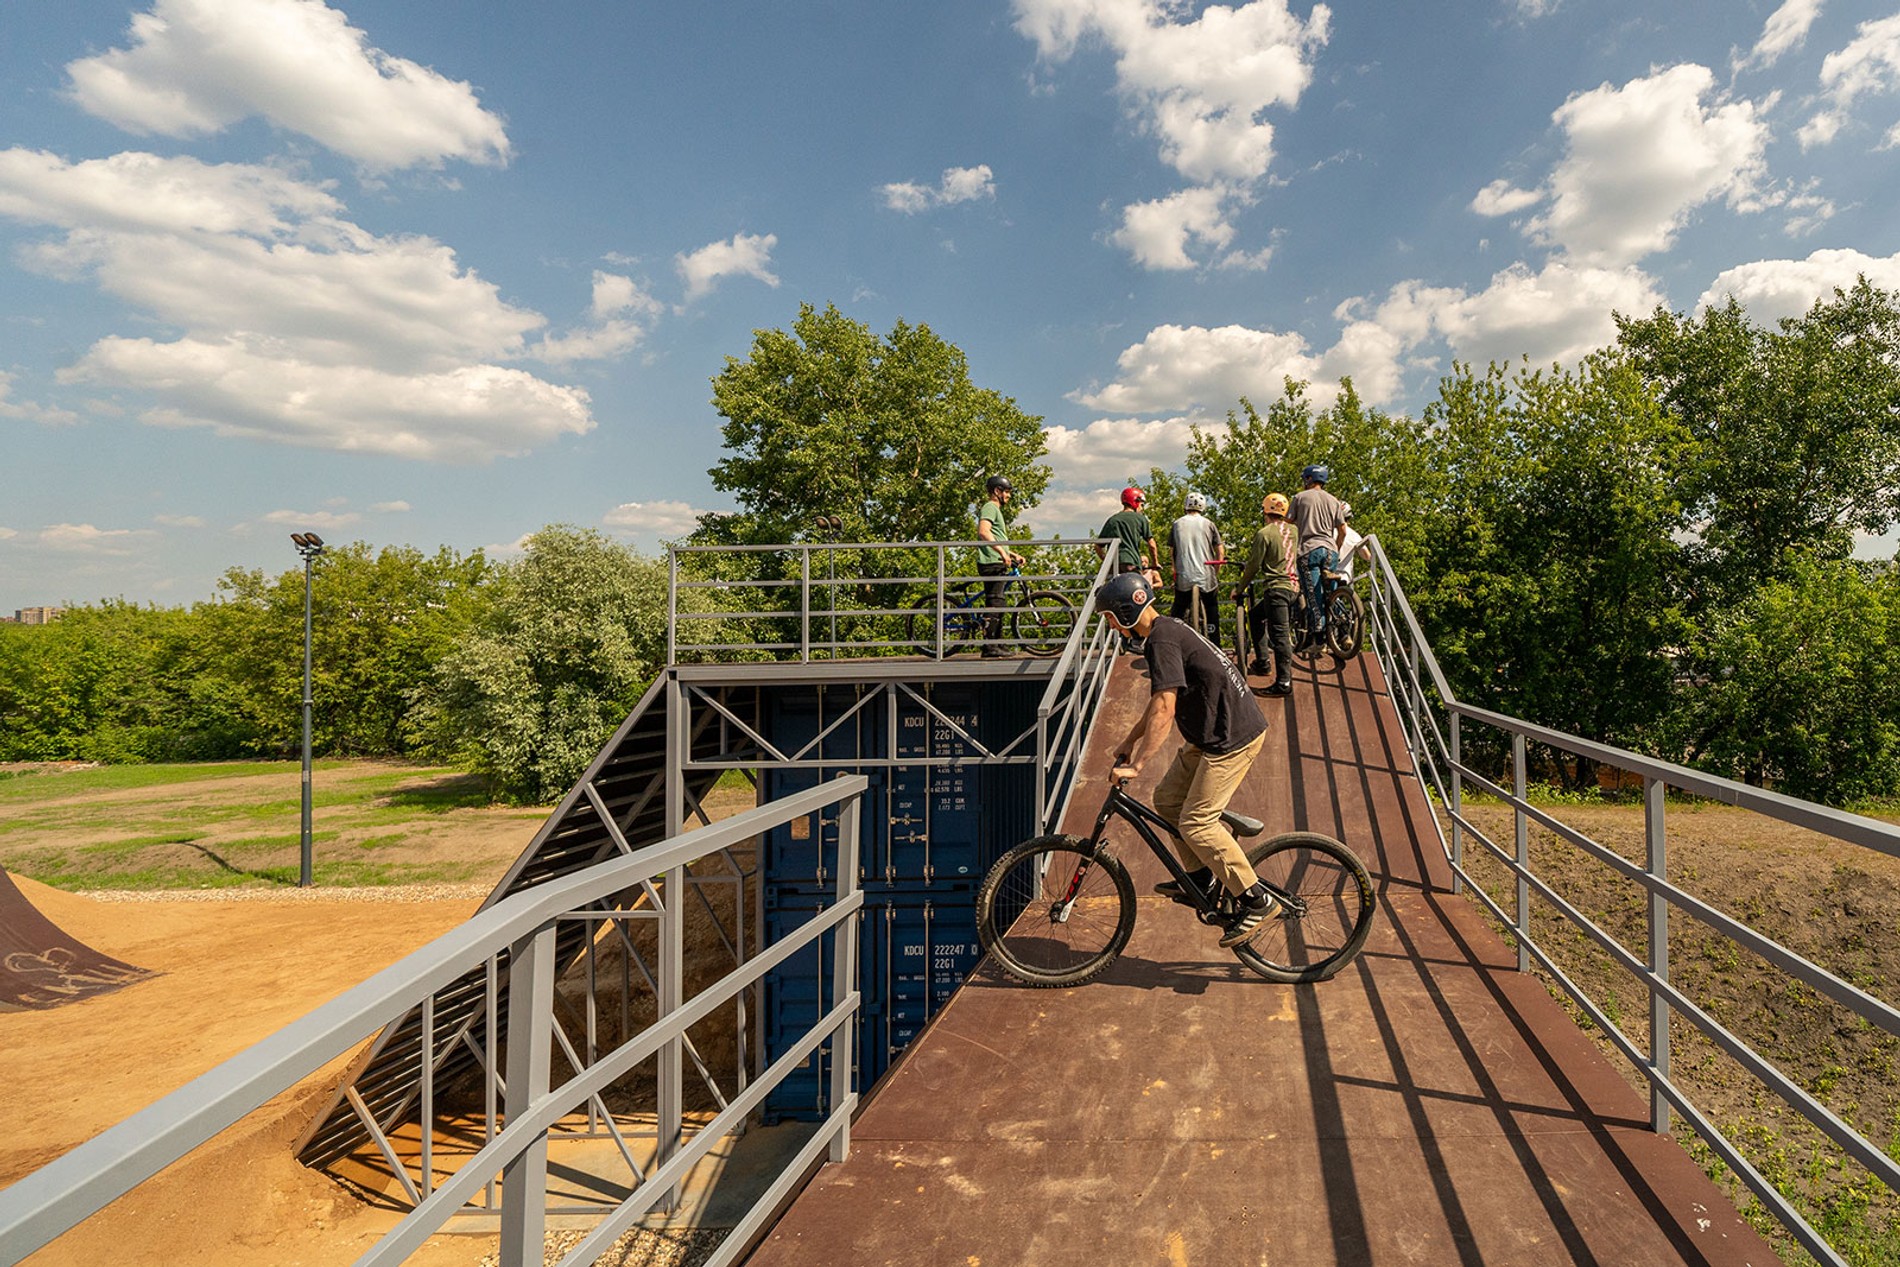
(1430, 1105)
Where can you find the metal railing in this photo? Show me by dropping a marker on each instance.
(1434, 719)
(927, 601)
(522, 932)
(1066, 713)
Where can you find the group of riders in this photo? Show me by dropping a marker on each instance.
(1195, 688)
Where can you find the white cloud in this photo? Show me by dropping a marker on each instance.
(1073, 512)
(31, 411)
(297, 325)
(195, 67)
(958, 184)
(1247, 261)
(1640, 158)
(179, 521)
(1501, 198)
(1157, 233)
(1869, 64)
(623, 315)
(391, 508)
(1786, 29)
(1190, 368)
(1773, 289)
(307, 520)
(86, 539)
(1199, 85)
(1821, 129)
(654, 520)
(1110, 449)
(744, 255)
(1558, 314)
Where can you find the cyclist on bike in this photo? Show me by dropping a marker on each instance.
(1193, 540)
(1273, 559)
(1134, 538)
(1321, 520)
(994, 559)
(1198, 691)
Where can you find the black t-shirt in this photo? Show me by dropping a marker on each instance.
(1213, 708)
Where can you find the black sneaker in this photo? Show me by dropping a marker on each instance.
(1254, 907)
(1259, 668)
(1174, 890)
(1278, 688)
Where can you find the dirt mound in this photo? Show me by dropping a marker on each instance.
(41, 964)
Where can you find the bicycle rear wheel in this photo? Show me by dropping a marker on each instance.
(1044, 629)
(962, 630)
(1054, 911)
(1345, 621)
(1326, 926)
(1243, 632)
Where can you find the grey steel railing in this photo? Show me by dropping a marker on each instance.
(522, 930)
(1434, 719)
(1066, 713)
(931, 580)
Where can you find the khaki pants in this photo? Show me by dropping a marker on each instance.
(1192, 795)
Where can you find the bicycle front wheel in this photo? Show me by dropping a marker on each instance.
(1044, 629)
(1055, 911)
(1326, 925)
(1345, 621)
(1242, 634)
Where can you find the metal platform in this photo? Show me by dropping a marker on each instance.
(1431, 1105)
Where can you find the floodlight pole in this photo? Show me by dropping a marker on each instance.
(309, 545)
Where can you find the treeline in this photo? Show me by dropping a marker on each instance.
(517, 669)
(1654, 550)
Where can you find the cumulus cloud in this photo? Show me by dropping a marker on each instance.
(1640, 158)
(1157, 233)
(1501, 198)
(179, 521)
(195, 67)
(1076, 512)
(85, 539)
(1199, 85)
(744, 255)
(1195, 368)
(1785, 30)
(391, 508)
(655, 520)
(31, 411)
(297, 325)
(329, 520)
(1869, 65)
(958, 184)
(1112, 449)
(1558, 313)
(1773, 289)
(622, 315)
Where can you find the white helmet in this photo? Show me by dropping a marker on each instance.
(1195, 502)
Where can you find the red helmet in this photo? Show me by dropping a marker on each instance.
(1132, 497)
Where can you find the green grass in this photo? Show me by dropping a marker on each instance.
(29, 787)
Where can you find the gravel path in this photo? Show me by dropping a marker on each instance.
(385, 893)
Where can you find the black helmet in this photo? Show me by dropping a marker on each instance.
(999, 481)
(1124, 597)
(1317, 474)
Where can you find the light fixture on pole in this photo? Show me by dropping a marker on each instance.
(309, 545)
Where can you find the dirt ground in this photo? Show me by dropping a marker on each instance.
(232, 967)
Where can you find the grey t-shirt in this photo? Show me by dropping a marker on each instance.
(1213, 709)
(1318, 515)
(1193, 540)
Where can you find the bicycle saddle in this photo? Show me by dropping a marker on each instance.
(1241, 825)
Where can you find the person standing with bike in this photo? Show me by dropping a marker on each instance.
(1321, 520)
(994, 558)
(1193, 543)
(1198, 691)
(1272, 559)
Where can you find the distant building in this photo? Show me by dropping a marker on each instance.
(38, 615)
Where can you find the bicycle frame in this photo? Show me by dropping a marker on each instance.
(1119, 804)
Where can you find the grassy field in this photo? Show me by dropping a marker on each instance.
(240, 823)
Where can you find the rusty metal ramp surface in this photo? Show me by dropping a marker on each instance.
(43, 966)
(1430, 1105)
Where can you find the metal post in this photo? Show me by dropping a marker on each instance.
(804, 604)
(309, 545)
(940, 602)
(1658, 839)
(672, 605)
(524, 1179)
(844, 967)
(1520, 784)
(671, 1093)
(1457, 805)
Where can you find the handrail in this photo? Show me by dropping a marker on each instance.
(1414, 675)
(66, 1191)
(1075, 687)
(790, 598)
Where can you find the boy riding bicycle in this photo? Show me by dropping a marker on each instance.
(1198, 691)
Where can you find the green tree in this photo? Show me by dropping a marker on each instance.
(575, 632)
(889, 434)
(1795, 431)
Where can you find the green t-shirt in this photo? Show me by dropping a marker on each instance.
(992, 512)
(1275, 547)
(1130, 529)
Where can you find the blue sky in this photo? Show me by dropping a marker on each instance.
(442, 273)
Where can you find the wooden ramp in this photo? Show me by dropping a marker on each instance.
(1430, 1105)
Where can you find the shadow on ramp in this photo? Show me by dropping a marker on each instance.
(41, 966)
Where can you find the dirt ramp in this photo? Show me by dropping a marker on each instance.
(42, 966)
